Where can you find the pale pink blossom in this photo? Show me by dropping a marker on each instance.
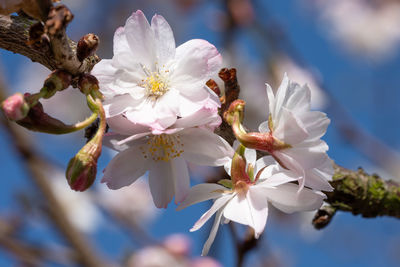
(151, 82)
(164, 156)
(247, 203)
(292, 122)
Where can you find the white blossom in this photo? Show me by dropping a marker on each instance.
(292, 122)
(247, 203)
(165, 156)
(151, 82)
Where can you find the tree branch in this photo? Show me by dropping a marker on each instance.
(60, 53)
(360, 193)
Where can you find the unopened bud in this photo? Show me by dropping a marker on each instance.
(15, 107)
(81, 172)
(58, 80)
(87, 45)
(82, 168)
(88, 83)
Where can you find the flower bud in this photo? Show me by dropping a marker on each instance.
(81, 172)
(87, 45)
(58, 80)
(82, 169)
(15, 107)
(88, 83)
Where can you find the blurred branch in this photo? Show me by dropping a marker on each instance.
(31, 254)
(35, 166)
(243, 246)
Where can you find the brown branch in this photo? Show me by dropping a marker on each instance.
(361, 194)
(232, 90)
(60, 54)
(30, 254)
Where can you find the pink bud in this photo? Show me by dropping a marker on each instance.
(81, 172)
(15, 107)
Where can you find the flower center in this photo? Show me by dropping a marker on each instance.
(241, 187)
(162, 147)
(156, 82)
(156, 85)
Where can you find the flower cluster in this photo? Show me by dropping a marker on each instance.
(162, 115)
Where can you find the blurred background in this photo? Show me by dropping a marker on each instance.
(347, 51)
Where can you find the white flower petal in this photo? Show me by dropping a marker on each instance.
(120, 43)
(200, 193)
(118, 105)
(317, 178)
(263, 127)
(316, 123)
(278, 178)
(251, 156)
(164, 39)
(121, 172)
(122, 125)
(111, 140)
(140, 39)
(300, 99)
(259, 209)
(218, 204)
(287, 198)
(302, 158)
(196, 61)
(161, 182)
(280, 98)
(264, 162)
(203, 147)
(238, 210)
(213, 233)
(180, 173)
(271, 106)
(290, 129)
(104, 71)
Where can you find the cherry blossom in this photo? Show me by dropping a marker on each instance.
(164, 156)
(254, 185)
(151, 82)
(292, 123)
